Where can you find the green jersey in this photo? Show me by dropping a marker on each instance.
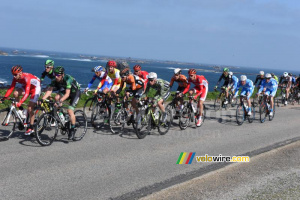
(68, 82)
(160, 89)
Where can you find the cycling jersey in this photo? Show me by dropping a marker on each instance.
(276, 78)
(162, 89)
(258, 78)
(182, 81)
(68, 82)
(201, 87)
(49, 74)
(285, 80)
(105, 81)
(271, 87)
(30, 84)
(115, 76)
(133, 83)
(293, 80)
(247, 88)
(226, 80)
(233, 82)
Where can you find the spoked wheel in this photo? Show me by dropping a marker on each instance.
(117, 121)
(272, 117)
(80, 125)
(100, 115)
(88, 107)
(9, 124)
(172, 111)
(218, 103)
(185, 117)
(252, 117)
(46, 129)
(164, 127)
(240, 115)
(143, 126)
(263, 112)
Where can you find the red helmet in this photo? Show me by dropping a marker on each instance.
(137, 67)
(111, 63)
(192, 71)
(16, 69)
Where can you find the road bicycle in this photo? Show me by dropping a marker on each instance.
(189, 114)
(174, 107)
(242, 111)
(101, 111)
(50, 123)
(264, 109)
(149, 119)
(220, 99)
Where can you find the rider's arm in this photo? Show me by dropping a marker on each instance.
(257, 77)
(221, 77)
(27, 90)
(172, 81)
(237, 89)
(11, 88)
(121, 87)
(100, 85)
(117, 74)
(43, 76)
(48, 92)
(67, 94)
(92, 81)
(187, 88)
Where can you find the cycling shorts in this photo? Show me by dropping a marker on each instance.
(34, 93)
(106, 85)
(245, 91)
(136, 93)
(115, 87)
(270, 92)
(180, 89)
(74, 99)
(203, 92)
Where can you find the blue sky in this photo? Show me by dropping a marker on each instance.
(253, 33)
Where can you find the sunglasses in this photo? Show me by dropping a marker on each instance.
(151, 80)
(58, 75)
(136, 71)
(123, 76)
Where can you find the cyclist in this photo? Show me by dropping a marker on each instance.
(182, 84)
(259, 78)
(114, 74)
(226, 82)
(162, 89)
(247, 90)
(298, 82)
(31, 85)
(69, 89)
(200, 89)
(135, 87)
(105, 81)
(269, 87)
(285, 79)
(275, 77)
(49, 64)
(233, 82)
(137, 70)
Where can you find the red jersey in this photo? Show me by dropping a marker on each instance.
(28, 81)
(200, 83)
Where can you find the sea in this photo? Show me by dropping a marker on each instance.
(79, 66)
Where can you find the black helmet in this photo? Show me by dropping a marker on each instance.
(59, 70)
(125, 72)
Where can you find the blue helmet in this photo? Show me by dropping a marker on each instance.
(99, 68)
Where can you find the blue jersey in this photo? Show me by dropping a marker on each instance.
(247, 87)
(234, 80)
(103, 76)
(271, 86)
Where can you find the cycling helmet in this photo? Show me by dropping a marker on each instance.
(285, 74)
(192, 71)
(98, 68)
(16, 69)
(268, 76)
(152, 75)
(59, 70)
(261, 73)
(225, 70)
(49, 62)
(111, 63)
(230, 73)
(243, 78)
(177, 71)
(125, 72)
(137, 67)
(272, 74)
(290, 74)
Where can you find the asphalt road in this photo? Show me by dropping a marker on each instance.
(104, 166)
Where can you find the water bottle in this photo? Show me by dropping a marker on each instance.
(268, 106)
(25, 113)
(193, 108)
(62, 117)
(20, 112)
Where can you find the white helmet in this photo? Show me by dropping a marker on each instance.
(268, 75)
(285, 74)
(177, 71)
(152, 75)
(243, 78)
(261, 73)
(230, 73)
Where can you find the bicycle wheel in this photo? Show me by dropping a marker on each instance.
(185, 117)
(9, 124)
(218, 103)
(80, 125)
(45, 131)
(117, 121)
(88, 107)
(263, 112)
(233, 101)
(100, 115)
(272, 117)
(240, 115)
(252, 117)
(143, 126)
(163, 128)
(172, 111)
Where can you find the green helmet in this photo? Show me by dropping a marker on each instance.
(49, 62)
(59, 70)
(225, 70)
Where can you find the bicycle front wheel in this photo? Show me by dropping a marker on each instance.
(46, 129)
(88, 107)
(218, 103)
(240, 115)
(100, 115)
(143, 126)
(263, 112)
(185, 118)
(164, 127)
(9, 124)
(117, 121)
